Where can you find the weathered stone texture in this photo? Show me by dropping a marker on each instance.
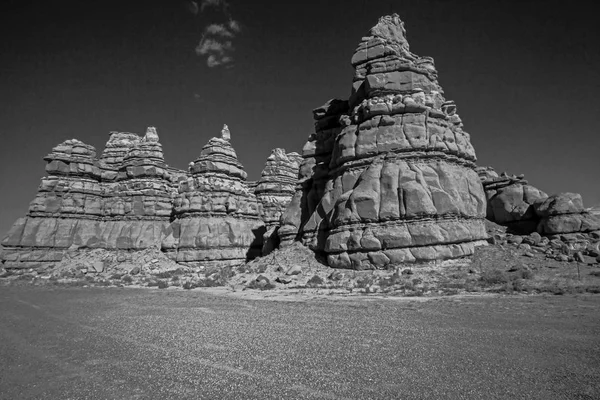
(511, 200)
(274, 191)
(216, 214)
(388, 176)
(122, 201)
(564, 213)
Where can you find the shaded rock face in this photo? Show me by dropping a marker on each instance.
(564, 213)
(216, 214)
(121, 201)
(389, 175)
(510, 200)
(274, 191)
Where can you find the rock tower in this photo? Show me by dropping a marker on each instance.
(274, 191)
(389, 175)
(216, 214)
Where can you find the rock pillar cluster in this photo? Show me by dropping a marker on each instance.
(388, 176)
(121, 201)
(130, 199)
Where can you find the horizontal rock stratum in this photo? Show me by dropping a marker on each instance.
(217, 217)
(121, 201)
(129, 199)
(389, 175)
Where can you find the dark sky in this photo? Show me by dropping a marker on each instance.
(525, 76)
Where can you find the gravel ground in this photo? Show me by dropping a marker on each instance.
(123, 343)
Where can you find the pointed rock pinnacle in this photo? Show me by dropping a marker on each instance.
(225, 134)
(151, 135)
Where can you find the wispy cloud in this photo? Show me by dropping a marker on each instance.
(210, 46)
(219, 30)
(217, 52)
(216, 41)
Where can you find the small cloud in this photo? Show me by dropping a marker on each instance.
(215, 43)
(219, 30)
(216, 51)
(213, 61)
(212, 46)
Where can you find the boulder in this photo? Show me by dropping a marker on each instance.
(564, 213)
(511, 200)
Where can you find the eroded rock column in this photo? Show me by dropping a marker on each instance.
(217, 217)
(400, 185)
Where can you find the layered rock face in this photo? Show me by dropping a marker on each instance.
(277, 185)
(510, 200)
(564, 213)
(274, 191)
(65, 212)
(389, 175)
(138, 194)
(120, 202)
(217, 217)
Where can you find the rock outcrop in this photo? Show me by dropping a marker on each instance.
(277, 185)
(274, 191)
(564, 213)
(216, 214)
(120, 202)
(510, 200)
(524, 210)
(389, 175)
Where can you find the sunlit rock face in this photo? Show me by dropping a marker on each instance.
(388, 176)
(564, 213)
(120, 202)
(138, 198)
(217, 218)
(514, 203)
(511, 200)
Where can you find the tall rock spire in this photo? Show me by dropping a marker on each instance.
(389, 175)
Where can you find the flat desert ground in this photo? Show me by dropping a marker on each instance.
(125, 343)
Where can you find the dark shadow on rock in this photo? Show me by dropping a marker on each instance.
(255, 249)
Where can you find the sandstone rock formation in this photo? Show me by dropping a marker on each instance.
(564, 213)
(389, 175)
(513, 203)
(274, 191)
(217, 217)
(120, 202)
(510, 200)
